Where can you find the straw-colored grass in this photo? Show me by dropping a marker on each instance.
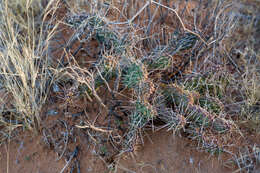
(25, 74)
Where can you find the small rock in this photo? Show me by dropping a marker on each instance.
(55, 88)
(191, 160)
(89, 169)
(52, 112)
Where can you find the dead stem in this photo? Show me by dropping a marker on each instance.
(94, 128)
(182, 24)
(66, 136)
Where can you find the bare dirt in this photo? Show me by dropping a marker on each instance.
(166, 153)
(27, 154)
(163, 153)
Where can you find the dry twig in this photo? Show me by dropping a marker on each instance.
(93, 128)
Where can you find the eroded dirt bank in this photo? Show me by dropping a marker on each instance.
(163, 153)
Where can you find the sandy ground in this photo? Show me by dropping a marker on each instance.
(163, 153)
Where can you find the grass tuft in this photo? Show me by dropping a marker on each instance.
(24, 62)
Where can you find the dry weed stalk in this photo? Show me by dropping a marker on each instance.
(24, 71)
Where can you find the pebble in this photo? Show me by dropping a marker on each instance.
(55, 88)
(52, 112)
(191, 160)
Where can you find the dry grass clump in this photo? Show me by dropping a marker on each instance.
(24, 62)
